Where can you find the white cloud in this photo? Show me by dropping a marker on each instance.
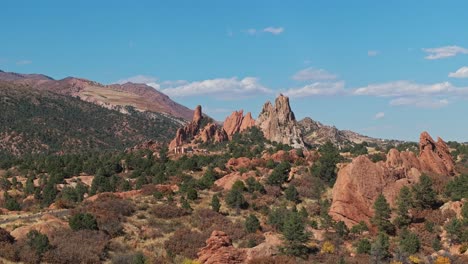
(23, 62)
(372, 53)
(313, 74)
(148, 80)
(460, 73)
(379, 115)
(444, 52)
(225, 88)
(274, 30)
(405, 93)
(316, 89)
(251, 31)
(422, 102)
(404, 88)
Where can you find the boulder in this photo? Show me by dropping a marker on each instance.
(219, 249)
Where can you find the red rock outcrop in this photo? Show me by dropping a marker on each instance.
(278, 123)
(210, 132)
(237, 122)
(219, 249)
(435, 156)
(361, 181)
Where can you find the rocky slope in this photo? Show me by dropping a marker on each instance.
(140, 96)
(361, 181)
(316, 133)
(278, 123)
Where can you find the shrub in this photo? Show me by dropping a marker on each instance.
(83, 246)
(37, 241)
(252, 224)
(291, 193)
(363, 246)
(6, 237)
(327, 248)
(215, 204)
(83, 221)
(167, 211)
(185, 242)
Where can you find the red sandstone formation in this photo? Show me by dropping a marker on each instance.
(219, 249)
(237, 122)
(279, 124)
(361, 181)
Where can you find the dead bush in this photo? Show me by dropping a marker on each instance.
(165, 211)
(185, 242)
(84, 246)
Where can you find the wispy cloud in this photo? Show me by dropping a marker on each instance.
(148, 80)
(312, 73)
(317, 89)
(444, 52)
(223, 88)
(269, 30)
(23, 62)
(372, 53)
(403, 88)
(251, 31)
(421, 102)
(460, 73)
(274, 30)
(379, 115)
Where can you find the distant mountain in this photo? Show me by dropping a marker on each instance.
(140, 96)
(41, 121)
(316, 133)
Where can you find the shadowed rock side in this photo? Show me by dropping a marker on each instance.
(360, 182)
(237, 122)
(278, 123)
(193, 130)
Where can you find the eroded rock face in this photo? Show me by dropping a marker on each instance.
(237, 122)
(435, 156)
(211, 132)
(278, 123)
(361, 181)
(48, 225)
(219, 249)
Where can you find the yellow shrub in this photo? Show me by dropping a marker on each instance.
(189, 261)
(414, 259)
(442, 260)
(396, 262)
(327, 248)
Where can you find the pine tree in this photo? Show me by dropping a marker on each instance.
(215, 203)
(382, 213)
(29, 189)
(379, 249)
(424, 194)
(295, 235)
(404, 202)
(291, 193)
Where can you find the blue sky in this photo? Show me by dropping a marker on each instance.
(387, 70)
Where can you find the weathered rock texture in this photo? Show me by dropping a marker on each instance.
(278, 123)
(219, 249)
(237, 122)
(193, 130)
(361, 181)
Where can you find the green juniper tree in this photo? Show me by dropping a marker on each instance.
(404, 202)
(382, 213)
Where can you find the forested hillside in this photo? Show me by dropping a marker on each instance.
(40, 121)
